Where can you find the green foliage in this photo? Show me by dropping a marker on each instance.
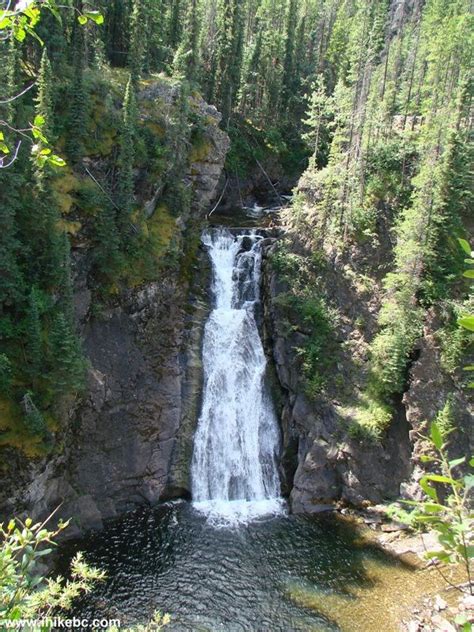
(307, 306)
(318, 352)
(370, 420)
(24, 591)
(445, 420)
(33, 419)
(445, 508)
(6, 374)
(67, 373)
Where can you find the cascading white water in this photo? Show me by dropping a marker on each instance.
(234, 468)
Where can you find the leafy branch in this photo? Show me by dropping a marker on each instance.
(19, 23)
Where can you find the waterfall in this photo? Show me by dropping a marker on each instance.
(234, 468)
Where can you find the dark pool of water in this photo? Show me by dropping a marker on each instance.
(285, 574)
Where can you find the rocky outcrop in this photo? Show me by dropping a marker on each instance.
(430, 390)
(322, 464)
(127, 441)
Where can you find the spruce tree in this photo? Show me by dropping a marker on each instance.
(107, 257)
(34, 420)
(288, 81)
(67, 372)
(136, 50)
(125, 164)
(44, 97)
(229, 56)
(66, 298)
(77, 117)
(11, 280)
(6, 375)
(174, 25)
(186, 60)
(33, 337)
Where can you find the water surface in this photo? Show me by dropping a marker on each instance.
(279, 574)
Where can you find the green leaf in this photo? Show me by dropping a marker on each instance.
(468, 368)
(57, 161)
(468, 321)
(469, 481)
(470, 261)
(436, 436)
(439, 478)
(469, 274)
(39, 121)
(465, 246)
(82, 19)
(424, 458)
(471, 461)
(95, 16)
(456, 462)
(433, 507)
(20, 34)
(429, 491)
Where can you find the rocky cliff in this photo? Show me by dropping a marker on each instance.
(120, 445)
(326, 461)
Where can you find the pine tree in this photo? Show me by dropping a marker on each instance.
(77, 119)
(11, 280)
(66, 298)
(136, 50)
(125, 164)
(174, 25)
(229, 56)
(6, 375)
(33, 338)
(67, 372)
(251, 92)
(318, 114)
(107, 258)
(44, 97)
(186, 60)
(34, 420)
(288, 81)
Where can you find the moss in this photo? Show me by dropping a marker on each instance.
(13, 432)
(63, 188)
(158, 235)
(72, 228)
(200, 149)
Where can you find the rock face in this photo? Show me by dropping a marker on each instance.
(321, 465)
(127, 442)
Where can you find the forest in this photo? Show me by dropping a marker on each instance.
(360, 111)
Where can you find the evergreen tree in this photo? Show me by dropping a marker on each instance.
(107, 257)
(136, 49)
(67, 363)
(33, 337)
(44, 97)
(186, 61)
(34, 420)
(11, 281)
(288, 82)
(125, 164)
(229, 56)
(174, 25)
(77, 118)
(6, 375)
(66, 299)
